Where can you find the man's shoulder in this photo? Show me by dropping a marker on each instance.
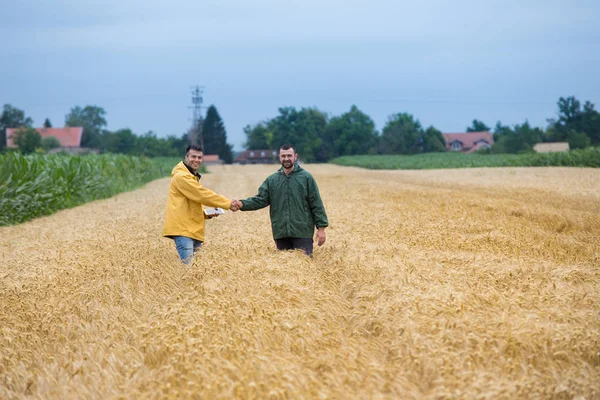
(303, 173)
(274, 175)
(181, 175)
(179, 169)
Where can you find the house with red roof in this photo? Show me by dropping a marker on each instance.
(69, 137)
(212, 159)
(468, 142)
(264, 156)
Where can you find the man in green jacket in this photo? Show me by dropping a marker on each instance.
(296, 205)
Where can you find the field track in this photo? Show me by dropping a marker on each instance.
(463, 283)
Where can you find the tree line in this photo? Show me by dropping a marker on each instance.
(122, 141)
(317, 136)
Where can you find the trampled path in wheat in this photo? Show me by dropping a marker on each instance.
(458, 283)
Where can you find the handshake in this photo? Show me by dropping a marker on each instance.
(236, 205)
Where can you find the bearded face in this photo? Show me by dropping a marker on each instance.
(287, 158)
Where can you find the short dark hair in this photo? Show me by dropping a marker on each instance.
(193, 147)
(287, 146)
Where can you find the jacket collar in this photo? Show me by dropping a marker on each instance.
(196, 174)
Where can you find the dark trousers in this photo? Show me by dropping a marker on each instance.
(289, 243)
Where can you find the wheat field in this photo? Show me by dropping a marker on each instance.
(470, 283)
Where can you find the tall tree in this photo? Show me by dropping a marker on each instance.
(590, 124)
(433, 141)
(500, 130)
(304, 129)
(531, 135)
(215, 136)
(478, 126)
(574, 120)
(12, 117)
(258, 137)
(351, 133)
(47, 123)
(402, 134)
(569, 109)
(92, 119)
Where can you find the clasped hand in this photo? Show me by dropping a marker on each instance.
(236, 205)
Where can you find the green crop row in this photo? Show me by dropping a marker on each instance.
(589, 157)
(35, 185)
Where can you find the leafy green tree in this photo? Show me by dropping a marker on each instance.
(47, 123)
(573, 118)
(530, 135)
(123, 141)
(569, 109)
(499, 145)
(590, 123)
(258, 137)
(520, 139)
(107, 141)
(304, 129)
(150, 146)
(478, 126)
(501, 130)
(92, 119)
(402, 134)
(433, 141)
(215, 136)
(12, 117)
(508, 143)
(578, 140)
(27, 139)
(351, 133)
(50, 142)
(177, 145)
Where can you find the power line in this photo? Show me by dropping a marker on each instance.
(197, 94)
(196, 135)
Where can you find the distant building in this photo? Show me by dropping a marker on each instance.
(468, 142)
(257, 157)
(69, 137)
(212, 159)
(551, 147)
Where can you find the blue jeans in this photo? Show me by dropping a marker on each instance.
(186, 247)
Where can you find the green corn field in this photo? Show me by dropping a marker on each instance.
(36, 185)
(589, 157)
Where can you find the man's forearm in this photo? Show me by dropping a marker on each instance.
(251, 204)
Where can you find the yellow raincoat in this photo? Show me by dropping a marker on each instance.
(185, 214)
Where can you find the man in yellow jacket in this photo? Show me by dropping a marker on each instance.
(184, 221)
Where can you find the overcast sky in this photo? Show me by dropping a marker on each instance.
(446, 63)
